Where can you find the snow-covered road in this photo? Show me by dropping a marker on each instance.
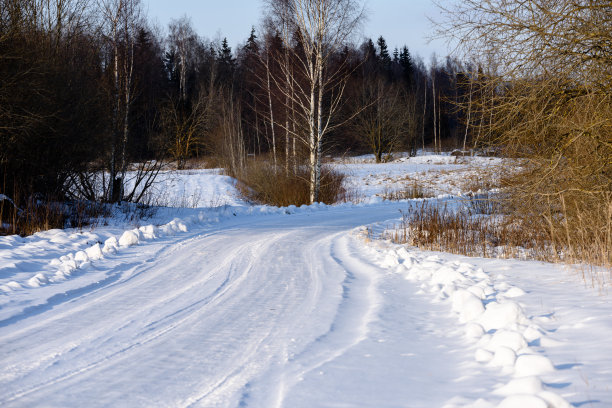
(293, 308)
(261, 311)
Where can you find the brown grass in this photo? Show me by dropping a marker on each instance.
(263, 184)
(488, 226)
(408, 192)
(467, 231)
(38, 215)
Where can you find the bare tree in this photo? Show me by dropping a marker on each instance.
(120, 22)
(547, 97)
(183, 41)
(436, 129)
(384, 122)
(231, 148)
(187, 127)
(322, 28)
(268, 88)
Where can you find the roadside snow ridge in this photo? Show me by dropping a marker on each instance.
(493, 321)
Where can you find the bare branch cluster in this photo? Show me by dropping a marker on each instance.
(544, 93)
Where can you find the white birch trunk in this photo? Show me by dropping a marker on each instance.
(269, 89)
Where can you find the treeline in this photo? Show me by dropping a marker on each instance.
(90, 92)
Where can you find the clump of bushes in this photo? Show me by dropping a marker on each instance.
(263, 183)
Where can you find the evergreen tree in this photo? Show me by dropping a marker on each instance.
(385, 58)
(370, 56)
(405, 61)
(251, 47)
(226, 63)
(152, 79)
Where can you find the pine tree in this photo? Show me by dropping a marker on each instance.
(370, 55)
(251, 47)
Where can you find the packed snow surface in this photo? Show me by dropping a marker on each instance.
(231, 305)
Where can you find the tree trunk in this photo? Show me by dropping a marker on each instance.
(319, 132)
(433, 84)
(128, 73)
(270, 107)
(424, 114)
(312, 144)
(115, 118)
(469, 116)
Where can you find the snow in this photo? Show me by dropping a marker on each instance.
(437, 175)
(214, 302)
(195, 189)
(129, 238)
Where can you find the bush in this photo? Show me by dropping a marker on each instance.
(264, 184)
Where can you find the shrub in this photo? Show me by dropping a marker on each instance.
(262, 183)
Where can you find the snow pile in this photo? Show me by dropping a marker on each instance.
(494, 323)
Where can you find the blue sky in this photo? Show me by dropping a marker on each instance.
(399, 21)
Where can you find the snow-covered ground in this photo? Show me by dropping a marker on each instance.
(435, 174)
(195, 189)
(216, 303)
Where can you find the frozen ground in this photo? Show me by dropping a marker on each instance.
(231, 305)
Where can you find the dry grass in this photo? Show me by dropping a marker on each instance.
(488, 226)
(481, 180)
(578, 225)
(38, 215)
(197, 163)
(468, 231)
(263, 184)
(408, 192)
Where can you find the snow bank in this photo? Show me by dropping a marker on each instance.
(494, 323)
(215, 197)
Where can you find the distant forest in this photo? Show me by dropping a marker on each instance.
(89, 91)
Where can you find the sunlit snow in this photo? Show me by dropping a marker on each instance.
(214, 302)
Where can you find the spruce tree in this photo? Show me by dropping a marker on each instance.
(226, 63)
(405, 61)
(385, 58)
(251, 46)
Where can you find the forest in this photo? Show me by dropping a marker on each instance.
(91, 90)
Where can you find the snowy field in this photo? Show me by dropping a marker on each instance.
(436, 174)
(217, 303)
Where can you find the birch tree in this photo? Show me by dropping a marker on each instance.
(183, 41)
(316, 82)
(120, 23)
